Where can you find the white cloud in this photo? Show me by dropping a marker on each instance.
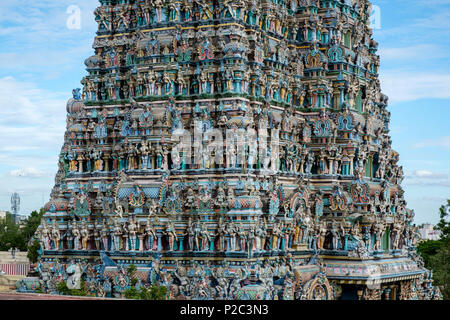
(427, 178)
(35, 37)
(415, 52)
(30, 172)
(443, 142)
(403, 86)
(32, 124)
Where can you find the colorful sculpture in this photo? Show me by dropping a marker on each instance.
(233, 149)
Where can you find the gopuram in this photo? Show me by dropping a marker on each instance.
(234, 149)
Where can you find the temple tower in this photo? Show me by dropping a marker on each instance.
(242, 144)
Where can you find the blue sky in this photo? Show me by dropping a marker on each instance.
(42, 60)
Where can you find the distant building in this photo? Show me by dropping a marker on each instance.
(21, 218)
(428, 233)
(2, 214)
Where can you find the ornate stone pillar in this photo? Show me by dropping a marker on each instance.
(211, 243)
(141, 242)
(126, 246)
(387, 294)
(159, 236)
(180, 240)
(106, 160)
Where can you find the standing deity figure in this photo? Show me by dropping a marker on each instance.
(171, 235)
(181, 82)
(315, 238)
(265, 235)
(322, 234)
(242, 237)
(276, 234)
(203, 80)
(76, 235)
(251, 236)
(56, 236)
(45, 236)
(84, 235)
(105, 235)
(144, 151)
(97, 237)
(159, 153)
(205, 237)
(150, 232)
(322, 161)
(158, 5)
(117, 231)
(309, 163)
(150, 80)
(221, 231)
(190, 232)
(197, 235)
(69, 237)
(288, 235)
(335, 235)
(173, 11)
(260, 234)
(176, 159)
(379, 229)
(252, 153)
(231, 232)
(168, 85)
(132, 232)
(231, 155)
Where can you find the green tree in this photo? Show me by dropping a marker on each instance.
(13, 235)
(28, 231)
(436, 254)
(441, 270)
(33, 249)
(444, 223)
(31, 224)
(428, 249)
(154, 293)
(10, 235)
(158, 293)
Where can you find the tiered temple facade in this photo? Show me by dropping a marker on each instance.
(234, 149)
